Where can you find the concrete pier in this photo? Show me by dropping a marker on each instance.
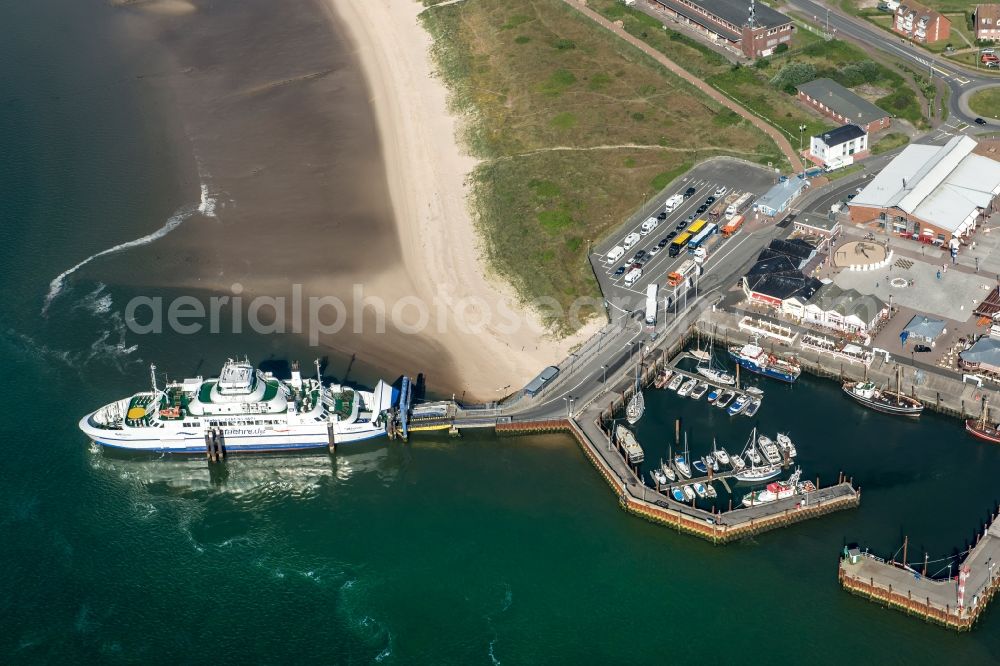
(645, 502)
(956, 602)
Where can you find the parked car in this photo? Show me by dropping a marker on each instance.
(921, 348)
(661, 217)
(681, 225)
(850, 197)
(701, 209)
(671, 236)
(639, 255)
(719, 191)
(980, 121)
(709, 201)
(993, 64)
(663, 242)
(620, 271)
(637, 264)
(655, 250)
(689, 192)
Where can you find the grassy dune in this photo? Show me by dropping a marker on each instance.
(575, 128)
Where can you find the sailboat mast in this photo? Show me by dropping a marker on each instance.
(152, 377)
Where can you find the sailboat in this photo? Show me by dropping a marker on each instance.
(681, 461)
(637, 405)
(753, 472)
(668, 471)
(885, 401)
(702, 354)
(706, 368)
(982, 427)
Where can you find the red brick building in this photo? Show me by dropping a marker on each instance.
(921, 24)
(729, 21)
(837, 102)
(987, 20)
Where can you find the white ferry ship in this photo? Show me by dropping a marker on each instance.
(244, 409)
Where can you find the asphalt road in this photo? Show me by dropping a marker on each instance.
(958, 79)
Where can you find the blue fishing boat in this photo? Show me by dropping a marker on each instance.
(754, 358)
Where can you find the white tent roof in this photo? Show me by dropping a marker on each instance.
(943, 185)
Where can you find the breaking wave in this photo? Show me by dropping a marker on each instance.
(206, 207)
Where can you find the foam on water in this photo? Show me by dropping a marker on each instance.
(206, 207)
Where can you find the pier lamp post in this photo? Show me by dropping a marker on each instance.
(802, 128)
(566, 400)
(571, 399)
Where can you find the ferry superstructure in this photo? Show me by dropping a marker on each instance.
(250, 411)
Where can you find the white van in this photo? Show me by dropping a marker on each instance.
(633, 276)
(616, 253)
(648, 226)
(673, 202)
(631, 240)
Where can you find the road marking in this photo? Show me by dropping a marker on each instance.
(961, 80)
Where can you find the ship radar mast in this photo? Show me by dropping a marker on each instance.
(152, 377)
(319, 378)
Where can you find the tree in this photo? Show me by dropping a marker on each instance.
(792, 75)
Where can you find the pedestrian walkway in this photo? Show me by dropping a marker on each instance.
(776, 134)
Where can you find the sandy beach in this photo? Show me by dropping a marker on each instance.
(426, 171)
(327, 165)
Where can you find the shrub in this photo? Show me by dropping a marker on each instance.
(781, 48)
(793, 74)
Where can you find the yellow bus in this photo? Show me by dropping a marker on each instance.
(678, 243)
(696, 226)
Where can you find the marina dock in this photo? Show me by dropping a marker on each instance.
(717, 527)
(955, 602)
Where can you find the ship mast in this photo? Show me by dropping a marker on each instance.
(319, 378)
(152, 377)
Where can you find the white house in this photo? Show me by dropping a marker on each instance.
(839, 147)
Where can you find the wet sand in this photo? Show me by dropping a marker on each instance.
(288, 133)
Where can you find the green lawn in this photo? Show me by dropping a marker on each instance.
(986, 103)
(889, 142)
(534, 75)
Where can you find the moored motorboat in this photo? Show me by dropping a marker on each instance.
(710, 461)
(982, 427)
(712, 396)
(738, 405)
(699, 390)
(675, 382)
(677, 494)
(753, 456)
(710, 490)
(663, 378)
(688, 493)
(687, 387)
(736, 462)
(700, 466)
(785, 444)
(699, 489)
(725, 398)
(659, 478)
(769, 449)
(751, 409)
(722, 456)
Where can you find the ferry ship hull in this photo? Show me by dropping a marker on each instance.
(194, 443)
(765, 371)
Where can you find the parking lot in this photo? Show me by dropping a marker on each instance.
(707, 178)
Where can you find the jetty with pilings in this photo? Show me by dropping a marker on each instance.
(956, 602)
(938, 390)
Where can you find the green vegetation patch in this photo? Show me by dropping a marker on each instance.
(537, 209)
(889, 142)
(986, 102)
